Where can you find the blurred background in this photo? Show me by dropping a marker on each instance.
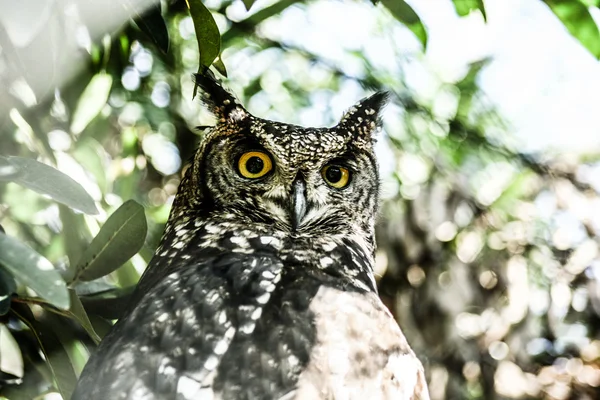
(490, 161)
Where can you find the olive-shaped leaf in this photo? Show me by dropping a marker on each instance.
(93, 288)
(109, 305)
(152, 23)
(78, 312)
(220, 66)
(11, 359)
(576, 17)
(54, 351)
(121, 237)
(49, 181)
(464, 7)
(33, 271)
(7, 288)
(248, 4)
(91, 101)
(207, 34)
(405, 14)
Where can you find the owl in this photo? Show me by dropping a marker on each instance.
(263, 286)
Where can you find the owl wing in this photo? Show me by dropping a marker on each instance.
(170, 345)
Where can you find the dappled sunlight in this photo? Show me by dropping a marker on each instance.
(489, 224)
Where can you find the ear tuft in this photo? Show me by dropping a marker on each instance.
(219, 100)
(364, 117)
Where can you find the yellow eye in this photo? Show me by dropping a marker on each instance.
(336, 176)
(254, 164)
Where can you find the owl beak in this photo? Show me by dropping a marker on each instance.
(298, 202)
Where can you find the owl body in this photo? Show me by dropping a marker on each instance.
(263, 286)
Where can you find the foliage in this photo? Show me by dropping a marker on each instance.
(488, 257)
(576, 17)
(405, 14)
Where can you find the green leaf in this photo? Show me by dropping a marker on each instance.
(110, 304)
(121, 237)
(33, 271)
(11, 359)
(153, 25)
(54, 352)
(220, 66)
(101, 325)
(76, 237)
(7, 288)
(78, 312)
(91, 101)
(405, 14)
(92, 288)
(576, 17)
(591, 3)
(207, 33)
(49, 181)
(248, 4)
(464, 7)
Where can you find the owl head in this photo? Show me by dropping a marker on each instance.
(302, 181)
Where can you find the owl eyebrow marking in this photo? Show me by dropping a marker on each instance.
(344, 160)
(247, 142)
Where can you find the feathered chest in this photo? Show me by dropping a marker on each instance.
(344, 259)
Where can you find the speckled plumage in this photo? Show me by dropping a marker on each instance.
(242, 301)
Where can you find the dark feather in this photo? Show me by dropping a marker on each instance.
(219, 100)
(365, 117)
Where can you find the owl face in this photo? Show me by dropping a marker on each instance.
(305, 181)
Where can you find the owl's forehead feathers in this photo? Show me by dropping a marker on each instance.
(294, 143)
